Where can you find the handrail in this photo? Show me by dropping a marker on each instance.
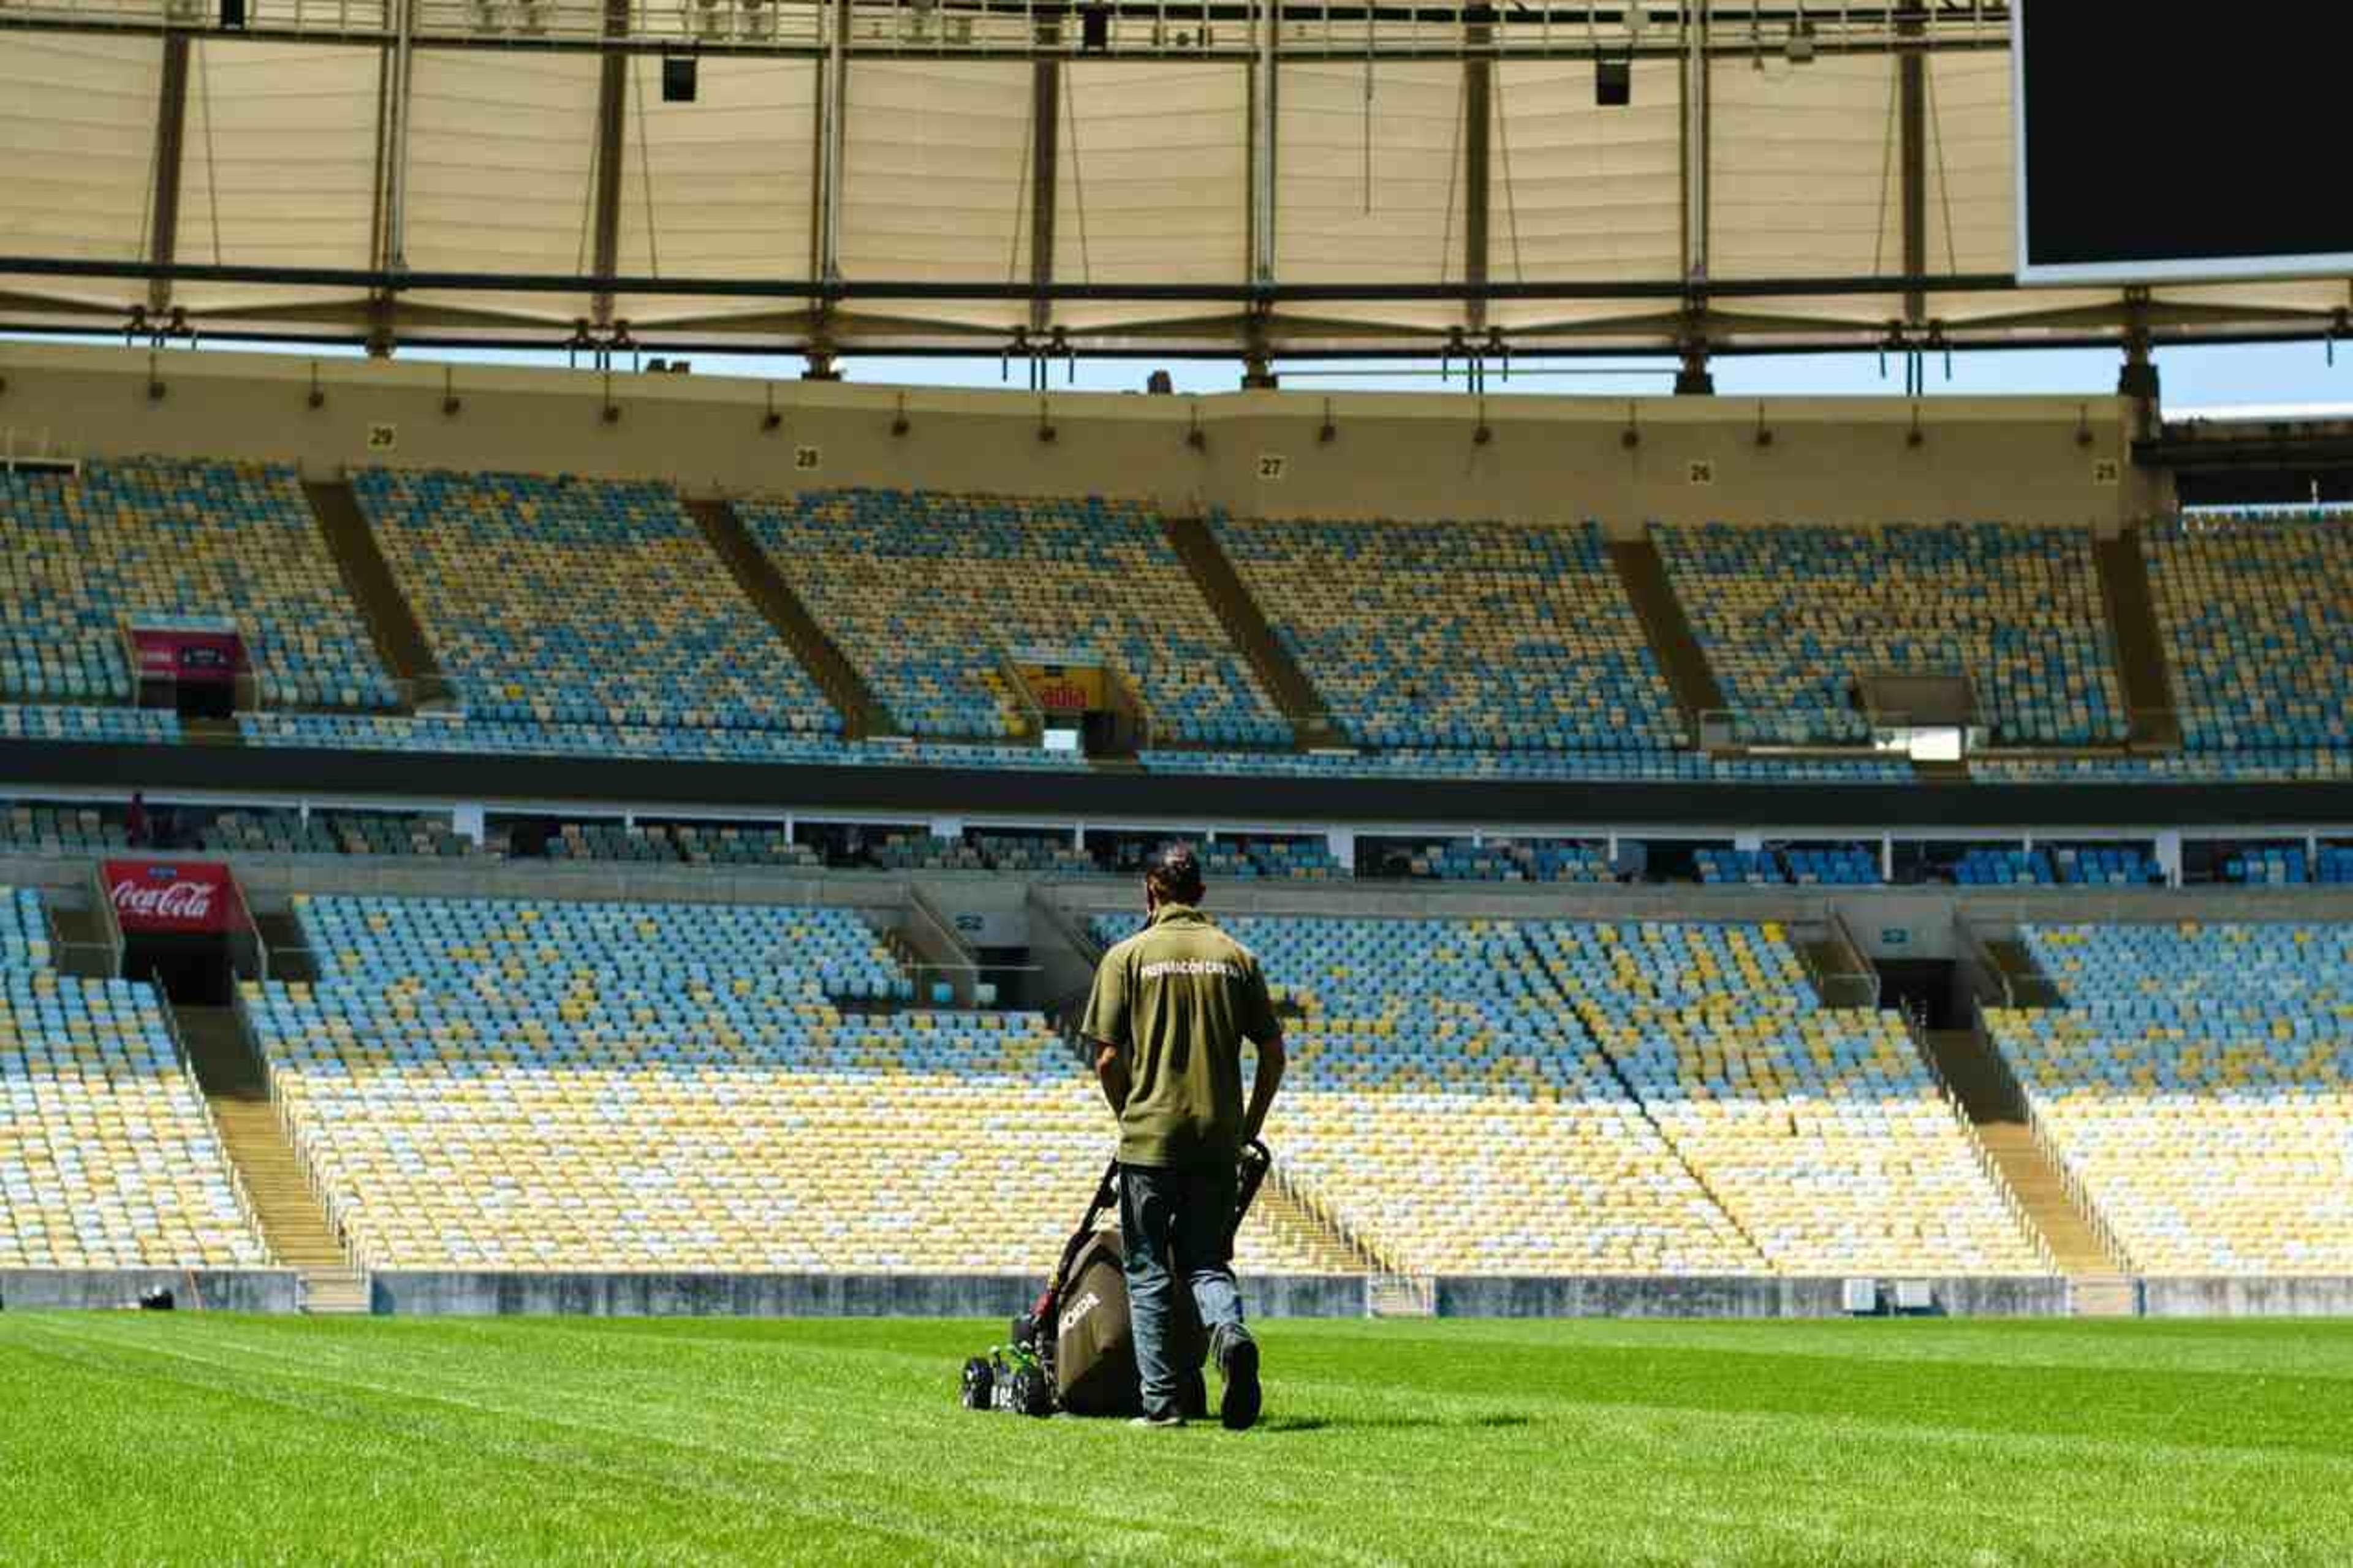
(1974, 947)
(1289, 1185)
(296, 1137)
(1915, 1025)
(188, 1069)
(1864, 970)
(2071, 1181)
(1018, 685)
(109, 921)
(57, 937)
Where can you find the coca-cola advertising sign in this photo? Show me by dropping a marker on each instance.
(161, 896)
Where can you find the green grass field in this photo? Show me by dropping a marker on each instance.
(146, 1437)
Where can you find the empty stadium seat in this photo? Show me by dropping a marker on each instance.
(2256, 615)
(1452, 636)
(1790, 618)
(929, 592)
(560, 1085)
(2198, 1084)
(108, 1156)
(559, 601)
(82, 557)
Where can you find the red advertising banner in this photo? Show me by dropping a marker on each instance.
(167, 896)
(190, 654)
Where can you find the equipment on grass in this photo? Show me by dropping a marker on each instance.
(1074, 1350)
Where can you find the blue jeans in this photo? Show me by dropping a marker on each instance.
(1173, 1222)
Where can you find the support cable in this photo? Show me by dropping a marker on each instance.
(646, 168)
(212, 159)
(1511, 197)
(1078, 181)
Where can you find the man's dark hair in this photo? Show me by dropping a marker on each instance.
(1174, 873)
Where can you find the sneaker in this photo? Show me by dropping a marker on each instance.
(1237, 1406)
(1169, 1418)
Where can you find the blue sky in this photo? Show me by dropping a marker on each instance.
(2265, 375)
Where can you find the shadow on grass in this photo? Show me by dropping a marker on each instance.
(1390, 1423)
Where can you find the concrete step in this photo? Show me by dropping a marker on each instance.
(1404, 1296)
(2027, 982)
(211, 732)
(392, 623)
(862, 712)
(276, 1184)
(2103, 1296)
(1229, 597)
(2141, 673)
(1682, 660)
(335, 1292)
(1293, 1222)
(82, 931)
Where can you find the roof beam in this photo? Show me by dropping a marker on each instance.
(163, 202)
(1912, 116)
(1045, 153)
(612, 123)
(1478, 117)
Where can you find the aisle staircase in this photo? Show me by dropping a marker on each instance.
(293, 1224)
(863, 716)
(86, 951)
(1294, 696)
(393, 624)
(1681, 659)
(2140, 649)
(211, 732)
(1295, 1224)
(2097, 1284)
(2024, 977)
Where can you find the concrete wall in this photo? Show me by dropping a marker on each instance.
(204, 1289)
(792, 1295)
(1398, 455)
(1731, 1296)
(2270, 1296)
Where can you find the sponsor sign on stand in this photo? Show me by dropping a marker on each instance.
(190, 652)
(172, 896)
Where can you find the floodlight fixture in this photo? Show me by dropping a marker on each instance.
(1613, 81)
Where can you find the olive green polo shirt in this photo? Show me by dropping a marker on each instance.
(1177, 999)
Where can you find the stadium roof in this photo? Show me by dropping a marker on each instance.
(940, 175)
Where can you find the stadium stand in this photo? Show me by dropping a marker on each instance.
(1754, 867)
(1821, 1131)
(472, 736)
(517, 1085)
(562, 602)
(128, 726)
(1584, 767)
(49, 828)
(926, 852)
(2198, 1084)
(1442, 1109)
(2256, 616)
(108, 1158)
(1846, 864)
(1790, 616)
(2252, 766)
(1447, 638)
(1498, 860)
(2125, 866)
(1288, 858)
(83, 556)
(1094, 576)
(1839, 864)
(2274, 866)
(1048, 853)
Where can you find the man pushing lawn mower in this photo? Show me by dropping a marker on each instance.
(1170, 1009)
